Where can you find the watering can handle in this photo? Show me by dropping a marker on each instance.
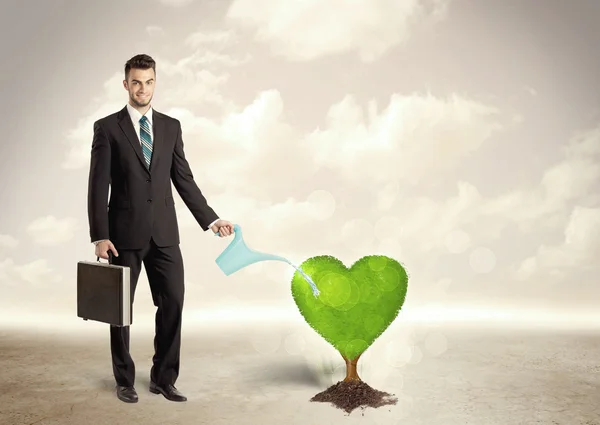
(236, 228)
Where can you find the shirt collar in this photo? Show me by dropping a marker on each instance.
(135, 114)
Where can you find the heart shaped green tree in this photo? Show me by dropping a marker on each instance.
(355, 305)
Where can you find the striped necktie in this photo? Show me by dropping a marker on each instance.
(146, 139)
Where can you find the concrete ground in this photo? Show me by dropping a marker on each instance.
(265, 374)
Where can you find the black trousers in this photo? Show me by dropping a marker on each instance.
(164, 268)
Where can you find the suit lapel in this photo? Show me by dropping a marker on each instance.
(127, 127)
(158, 128)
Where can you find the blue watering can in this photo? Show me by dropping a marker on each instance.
(238, 255)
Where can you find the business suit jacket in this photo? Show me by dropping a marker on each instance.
(141, 204)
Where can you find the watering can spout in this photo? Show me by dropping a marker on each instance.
(238, 255)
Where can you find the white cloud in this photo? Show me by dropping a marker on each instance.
(210, 47)
(427, 223)
(571, 179)
(6, 271)
(251, 151)
(580, 248)
(304, 30)
(31, 286)
(212, 58)
(256, 151)
(189, 84)
(7, 241)
(565, 186)
(154, 30)
(414, 137)
(584, 143)
(218, 39)
(50, 230)
(36, 273)
(570, 182)
(531, 90)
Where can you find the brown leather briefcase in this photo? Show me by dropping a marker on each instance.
(104, 292)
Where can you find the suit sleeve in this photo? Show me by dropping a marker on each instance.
(98, 185)
(184, 183)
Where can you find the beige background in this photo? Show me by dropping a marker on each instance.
(460, 137)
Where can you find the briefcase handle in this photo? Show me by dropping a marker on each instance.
(110, 257)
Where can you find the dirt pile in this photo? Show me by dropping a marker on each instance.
(350, 395)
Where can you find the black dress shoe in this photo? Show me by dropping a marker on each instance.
(127, 394)
(169, 391)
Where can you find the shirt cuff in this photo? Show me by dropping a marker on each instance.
(210, 225)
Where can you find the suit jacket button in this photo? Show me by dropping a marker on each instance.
(148, 181)
(149, 200)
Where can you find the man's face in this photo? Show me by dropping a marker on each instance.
(140, 85)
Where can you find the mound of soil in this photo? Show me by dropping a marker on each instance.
(350, 395)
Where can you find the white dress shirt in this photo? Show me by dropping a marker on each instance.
(135, 116)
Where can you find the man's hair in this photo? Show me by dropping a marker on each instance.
(139, 62)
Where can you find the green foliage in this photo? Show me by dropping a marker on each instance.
(356, 305)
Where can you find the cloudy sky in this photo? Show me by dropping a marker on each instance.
(460, 137)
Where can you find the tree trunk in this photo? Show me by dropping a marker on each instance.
(351, 372)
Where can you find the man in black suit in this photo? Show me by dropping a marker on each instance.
(138, 151)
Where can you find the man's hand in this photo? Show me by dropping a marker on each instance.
(223, 227)
(103, 247)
